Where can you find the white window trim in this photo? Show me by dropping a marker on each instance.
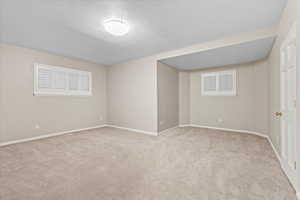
(217, 75)
(59, 92)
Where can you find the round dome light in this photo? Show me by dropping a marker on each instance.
(116, 27)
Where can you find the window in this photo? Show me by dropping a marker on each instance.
(222, 83)
(51, 80)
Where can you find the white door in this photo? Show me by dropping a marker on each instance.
(288, 105)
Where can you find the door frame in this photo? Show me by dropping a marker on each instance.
(291, 37)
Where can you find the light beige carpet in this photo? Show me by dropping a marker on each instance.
(113, 164)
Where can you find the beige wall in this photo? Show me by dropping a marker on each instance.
(261, 96)
(184, 98)
(167, 82)
(132, 95)
(289, 16)
(132, 86)
(1, 98)
(22, 111)
(246, 111)
(297, 4)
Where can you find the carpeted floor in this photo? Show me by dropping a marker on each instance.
(113, 164)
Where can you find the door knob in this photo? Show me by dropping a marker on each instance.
(279, 114)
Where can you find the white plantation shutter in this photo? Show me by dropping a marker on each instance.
(51, 80)
(210, 83)
(44, 78)
(73, 81)
(221, 83)
(84, 82)
(59, 80)
(225, 82)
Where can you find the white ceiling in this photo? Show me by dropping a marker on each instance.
(228, 55)
(74, 27)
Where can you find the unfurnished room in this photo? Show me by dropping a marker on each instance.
(149, 100)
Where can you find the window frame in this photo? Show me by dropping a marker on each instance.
(217, 74)
(59, 92)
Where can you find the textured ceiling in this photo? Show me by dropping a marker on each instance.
(74, 27)
(235, 54)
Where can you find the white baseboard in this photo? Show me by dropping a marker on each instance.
(168, 129)
(133, 130)
(225, 129)
(239, 131)
(249, 132)
(48, 135)
(275, 150)
(148, 133)
(279, 160)
(73, 131)
(184, 125)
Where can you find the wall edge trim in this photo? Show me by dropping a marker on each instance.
(168, 129)
(2, 144)
(148, 133)
(49, 135)
(225, 129)
(275, 150)
(278, 157)
(133, 130)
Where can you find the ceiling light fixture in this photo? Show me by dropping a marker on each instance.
(116, 27)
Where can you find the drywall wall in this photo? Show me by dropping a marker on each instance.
(132, 95)
(168, 105)
(22, 112)
(1, 106)
(289, 16)
(184, 98)
(261, 77)
(138, 79)
(248, 110)
(134, 84)
(297, 4)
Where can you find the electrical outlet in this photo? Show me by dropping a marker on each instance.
(101, 118)
(161, 122)
(37, 126)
